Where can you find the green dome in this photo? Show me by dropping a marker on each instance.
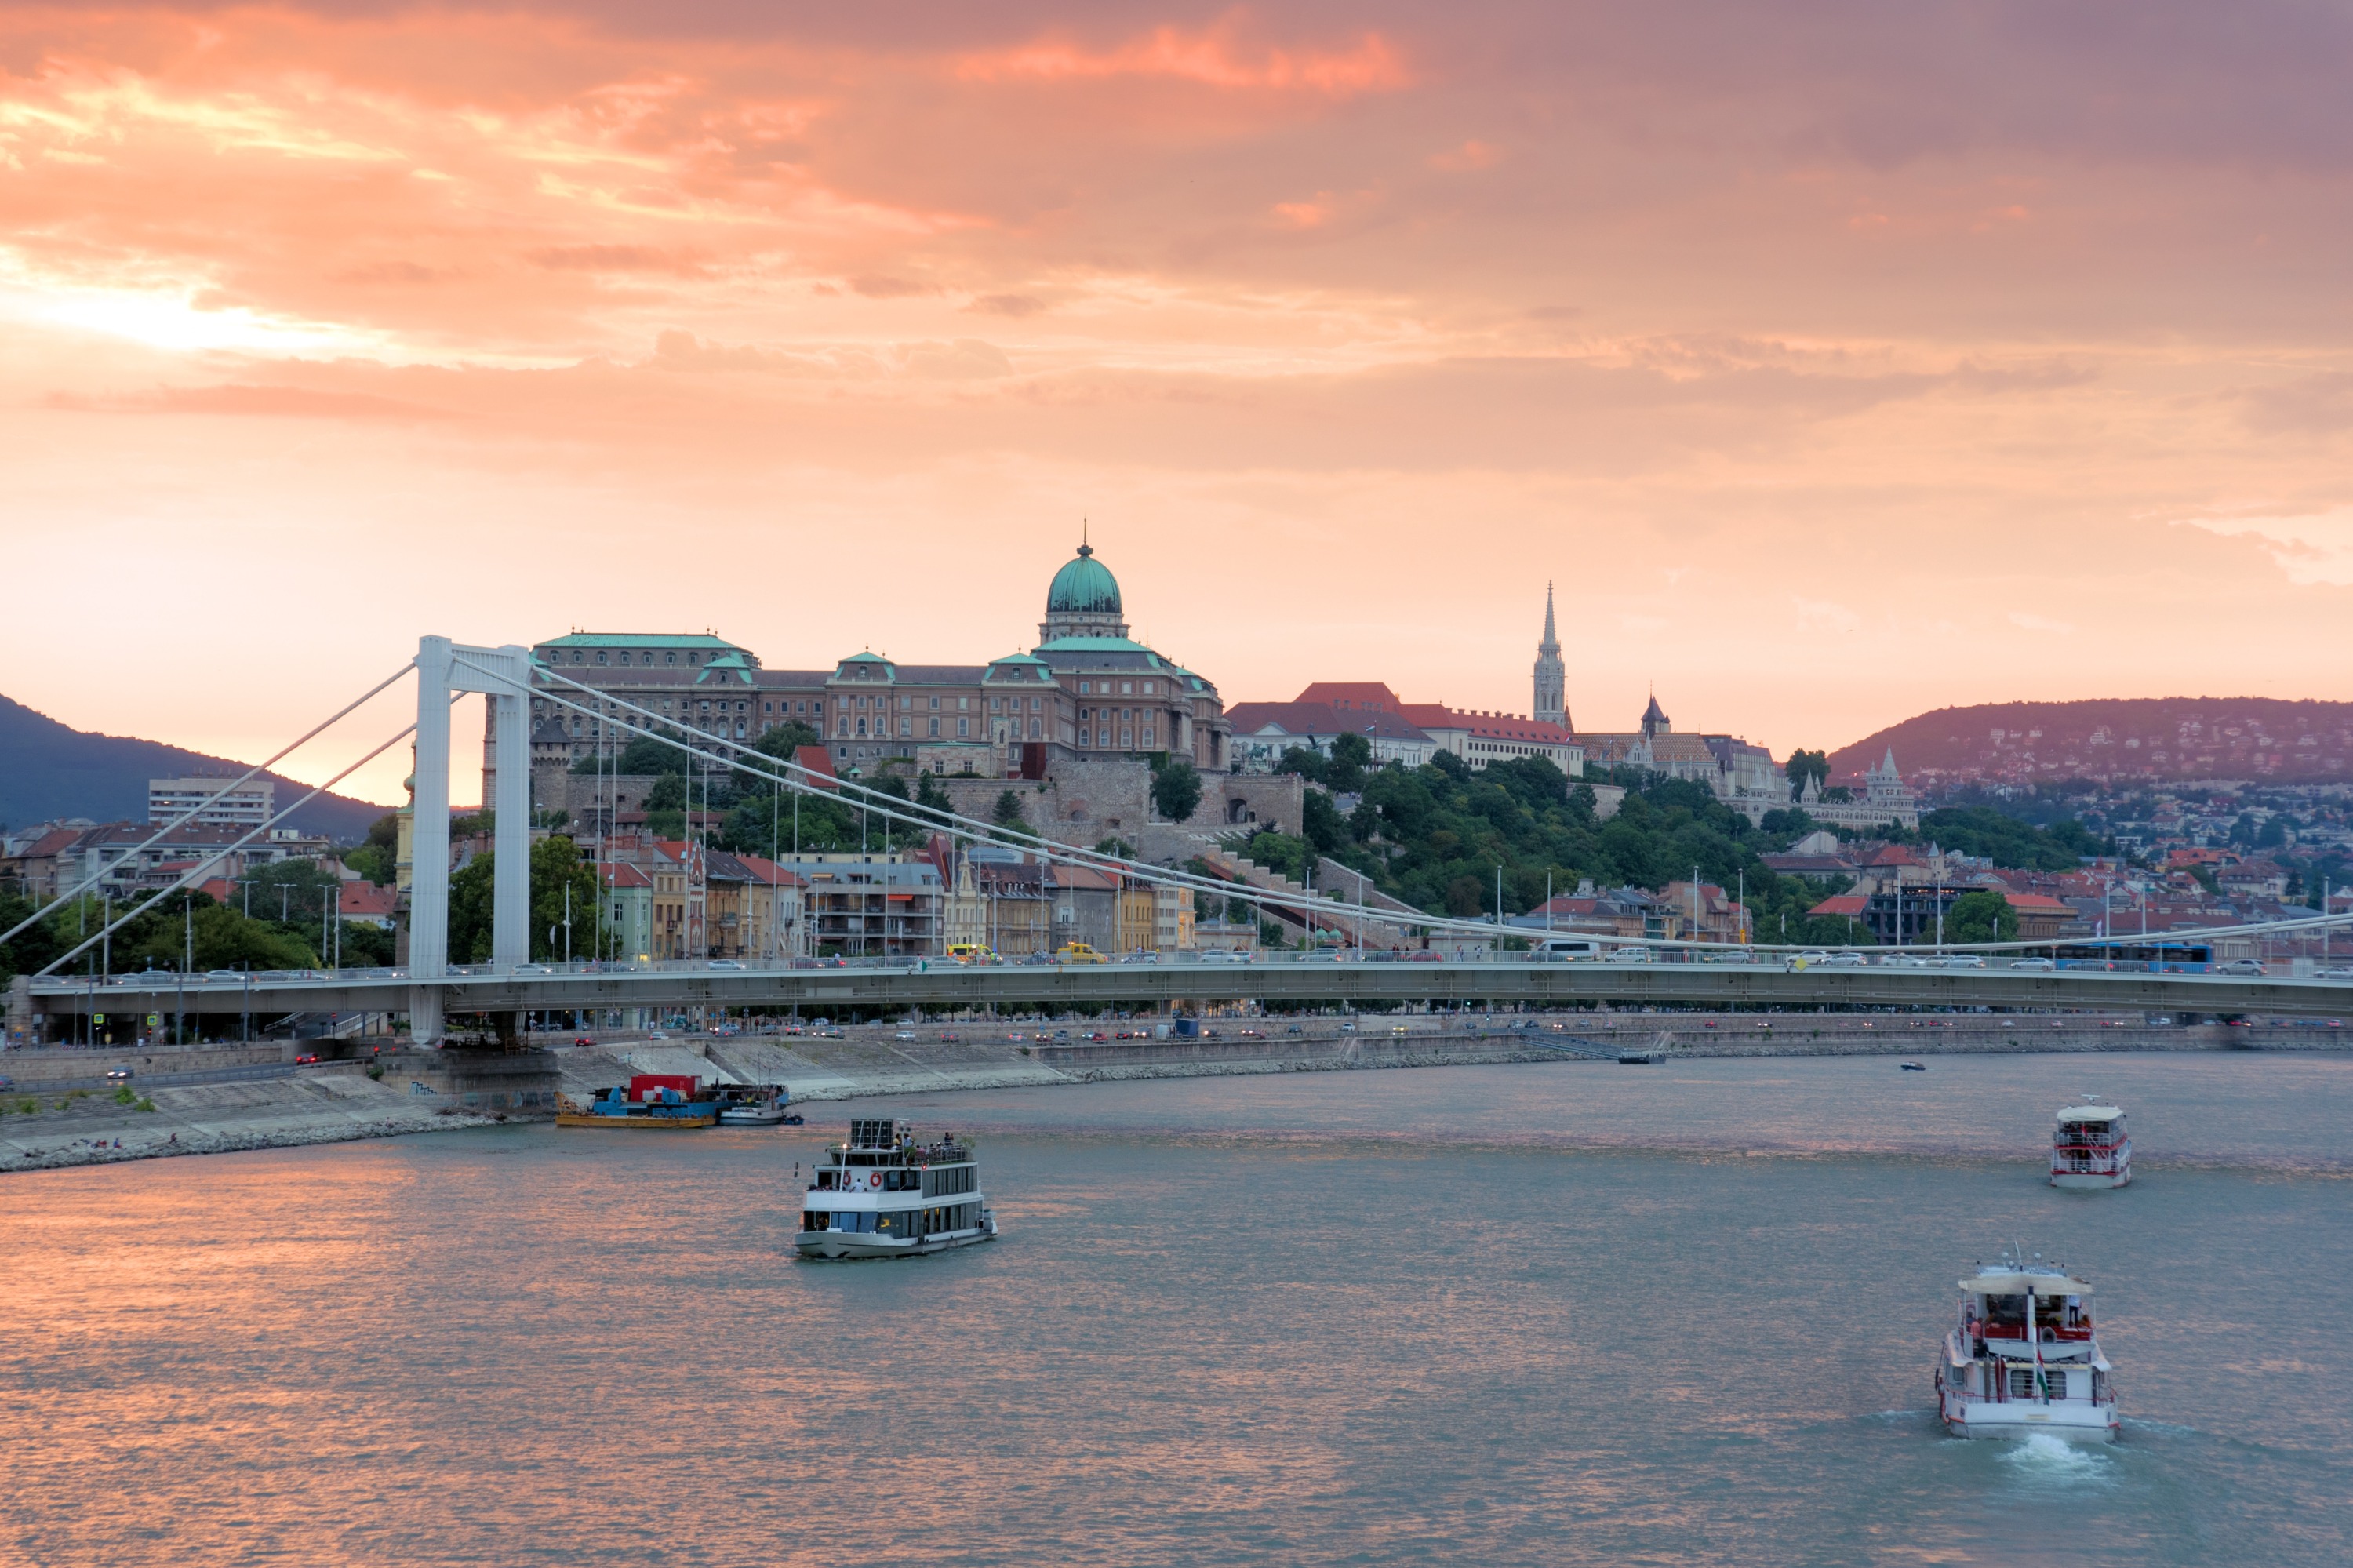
(1083, 587)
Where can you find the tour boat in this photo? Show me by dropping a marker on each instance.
(2023, 1358)
(881, 1194)
(2091, 1148)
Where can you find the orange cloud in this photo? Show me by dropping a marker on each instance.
(1213, 58)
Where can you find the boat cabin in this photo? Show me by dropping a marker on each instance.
(2025, 1309)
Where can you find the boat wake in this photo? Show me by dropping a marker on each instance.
(2047, 1463)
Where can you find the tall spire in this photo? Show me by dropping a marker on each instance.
(1551, 677)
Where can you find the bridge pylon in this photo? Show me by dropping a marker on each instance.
(444, 670)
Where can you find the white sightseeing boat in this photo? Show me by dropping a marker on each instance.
(881, 1194)
(2023, 1358)
(2091, 1148)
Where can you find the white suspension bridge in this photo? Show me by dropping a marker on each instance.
(428, 989)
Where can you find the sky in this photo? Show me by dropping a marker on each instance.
(1836, 361)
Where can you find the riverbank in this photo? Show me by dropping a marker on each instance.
(337, 1101)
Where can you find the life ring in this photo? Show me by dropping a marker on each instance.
(874, 1179)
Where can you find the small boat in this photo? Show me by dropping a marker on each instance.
(664, 1101)
(2023, 1358)
(882, 1193)
(1913, 1066)
(2091, 1148)
(757, 1106)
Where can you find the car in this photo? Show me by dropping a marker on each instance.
(1631, 955)
(118, 1075)
(1078, 953)
(1425, 956)
(2341, 971)
(583, 1042)
(2240, 967)
(905, 1035)
(950, 1037)
(1040, 956)
(1401, 1028)
(2034, 964)
(725, 964)
(1225, 956)
(1961, 961)
(224, 974)
(1806, 959)
(1348, 1028)
(1253, 1035)
(1098, 1038)
(1846, 961)
(1381, 956)
(311, 1060)
(1144, 956)
(1906, 961)
(656, 1034)
(1294, 1029)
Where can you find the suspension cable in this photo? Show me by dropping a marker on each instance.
(198, 870)
(100, 875)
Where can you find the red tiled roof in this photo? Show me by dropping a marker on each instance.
(1847, 904)
(1354, 697)
(365, 899)
(820, 763)
(2035, 903)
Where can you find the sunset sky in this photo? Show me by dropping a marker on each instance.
(1838, 361)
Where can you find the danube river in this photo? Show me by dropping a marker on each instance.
(1577, 1313)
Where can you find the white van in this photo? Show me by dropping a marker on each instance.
(1560, 948)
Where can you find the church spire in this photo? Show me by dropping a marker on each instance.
(1551, 705)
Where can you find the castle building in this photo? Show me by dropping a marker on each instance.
(1885, 798)
(1086, 689)
(1740, 775)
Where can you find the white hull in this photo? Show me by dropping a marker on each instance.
(753, 1116)
(2075, 1420)
(861, 1243)
(2090, 1179)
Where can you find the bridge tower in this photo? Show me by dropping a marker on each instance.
(445, 670)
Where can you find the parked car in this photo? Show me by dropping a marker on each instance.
(311, 1060)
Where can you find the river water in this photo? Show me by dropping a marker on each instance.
(1548, 1314)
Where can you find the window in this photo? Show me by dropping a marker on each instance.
(963, 703)
(667, 657)
(1086, 737)
(1036, 703)
(996, 705)
(963, 728)
(1147, 737)
(600, 655)
(1127, 688)
(935, 729)
(1033, 729)
(935, 704)
(2022, 1383)
(1150, 687)
(1127, 737)
(1082, 688)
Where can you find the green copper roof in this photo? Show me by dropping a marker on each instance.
(1083, 586)
(639, 640)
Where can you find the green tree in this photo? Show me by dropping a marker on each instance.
(299, 891)
(1344, 774)
(1984, 917)
(556, 863)
(1300, 760)
(1176, 790)
(376, 857)
(1321, 823)
(1008, 816)
(1804, 765)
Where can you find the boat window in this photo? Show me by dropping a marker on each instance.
(2022, 1383)
(2006, 1311)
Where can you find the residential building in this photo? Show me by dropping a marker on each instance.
(245, 805)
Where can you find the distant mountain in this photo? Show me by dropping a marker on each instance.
(48, 770)
(2156, 739)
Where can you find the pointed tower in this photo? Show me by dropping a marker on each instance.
(1551, 679)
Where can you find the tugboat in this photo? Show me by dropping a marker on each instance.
(2091, 1148)
(881, 1194)
(759, 1104)
(2023, 1358)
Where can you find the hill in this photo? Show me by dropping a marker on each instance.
(2156, 740)
(54, 770)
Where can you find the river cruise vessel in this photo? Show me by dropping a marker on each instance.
(2023, 1358)
(882, 1193)
(2091, 1148)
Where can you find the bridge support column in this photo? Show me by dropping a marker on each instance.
(510, 877)
(424, 1016)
